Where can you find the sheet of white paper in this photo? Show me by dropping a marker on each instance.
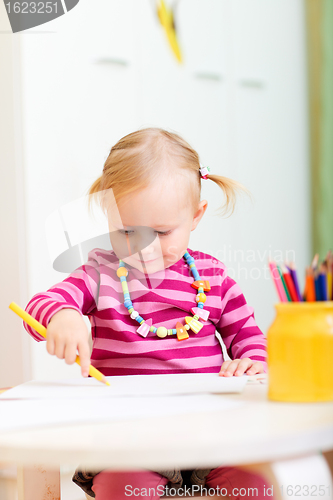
(129, 385)
(22, 414)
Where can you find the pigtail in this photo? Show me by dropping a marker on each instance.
(230, 189)
(94, 192)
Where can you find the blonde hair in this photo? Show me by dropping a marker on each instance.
(138, 158)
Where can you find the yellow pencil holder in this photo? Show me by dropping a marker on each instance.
(300, 352)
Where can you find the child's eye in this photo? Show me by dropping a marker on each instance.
(128, 233)
(163, 234)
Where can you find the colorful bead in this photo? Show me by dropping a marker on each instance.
(201, 284)
(181, 332)
(200, 312)
(201, 305)
(187, 327)
(139, 319)
(193, 324)
(128, 303)
(201, 297)
(131, 310)
(161, 332)
(134, 314)
(196, 317)
(122, 271)
(144, 328)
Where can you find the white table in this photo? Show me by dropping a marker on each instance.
(259, 432)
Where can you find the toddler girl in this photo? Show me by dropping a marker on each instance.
(153, 303)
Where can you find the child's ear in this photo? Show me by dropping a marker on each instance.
(199, 213)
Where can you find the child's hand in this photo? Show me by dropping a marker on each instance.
(240, 366)
(67, 333)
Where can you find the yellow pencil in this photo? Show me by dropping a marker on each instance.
(93, 372)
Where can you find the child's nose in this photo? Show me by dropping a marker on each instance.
(148, 250)
(144, 241)
(141, 240)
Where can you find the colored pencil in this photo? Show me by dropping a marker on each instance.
(317, 286)
(93, 372)
(292, 269)
(315, 262)
(277, 281)
(309, 292)
(329, 259)
(322, 281)
(331, 270)
(284, 284)
(289, 283)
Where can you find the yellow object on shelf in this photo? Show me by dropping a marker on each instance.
(166, 18)
(300, 352)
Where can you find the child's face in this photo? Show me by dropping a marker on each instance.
(150, 229)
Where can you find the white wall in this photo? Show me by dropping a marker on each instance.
(92, 76)
(14, 344)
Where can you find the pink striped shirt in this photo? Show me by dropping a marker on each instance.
(166, 297)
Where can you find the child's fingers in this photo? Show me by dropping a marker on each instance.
(230, 369)
(236, 367)
(84, 353)
(59, 350)
(257, 367)
(70, 353)
(243, 365)
(50, 346)
(224, 367)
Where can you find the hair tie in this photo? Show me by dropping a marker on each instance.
(204, 171)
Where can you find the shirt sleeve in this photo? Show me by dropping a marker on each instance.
(78, 291)
(237, 327)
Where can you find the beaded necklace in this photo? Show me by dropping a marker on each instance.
(192, 323)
